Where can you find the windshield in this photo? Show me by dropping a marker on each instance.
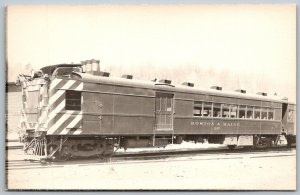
(64, 69)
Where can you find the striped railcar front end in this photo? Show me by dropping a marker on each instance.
(34, 105)
(60, 120)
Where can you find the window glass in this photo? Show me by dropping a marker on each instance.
(197, 111)
(198, 103)
(207, 109)
(242, 111)
(217, 110)
(32, 99)
(225, 110)
(256, 113)
(45, 98)
(24, 99)
(157, 102)
(163, 104)
(250, 112)
(291, 115)
(65, 71)
(197, 108)
(264, 112)
(169, 104)
(271, 113)
(233, 113)
(73, 100)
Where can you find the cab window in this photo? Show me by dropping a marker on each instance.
(73, 100)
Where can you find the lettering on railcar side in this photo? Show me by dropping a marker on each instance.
(215, 124)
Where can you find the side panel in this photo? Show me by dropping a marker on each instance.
(133, 115)
(200, 126)
(61, 121)
(132, 125)
(183, 108)
(270, 127)
(227, 126)
(117, 110)
(186, 123)
(96, 108)
(249, 102)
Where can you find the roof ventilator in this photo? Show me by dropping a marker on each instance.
(241, 90)
(100, 73)
(165, 81)
(104, 74)
(127, 76)
(188, 84)
(216, 88)
(262, 93)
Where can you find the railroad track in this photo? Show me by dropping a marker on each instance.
(13, 147)
(156, 156)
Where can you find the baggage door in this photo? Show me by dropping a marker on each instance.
(164, 111)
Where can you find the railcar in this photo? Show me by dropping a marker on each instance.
(76, 110)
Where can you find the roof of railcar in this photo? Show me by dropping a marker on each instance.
(85, 77)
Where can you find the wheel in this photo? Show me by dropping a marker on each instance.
(31, 151)
(179, 139)
(51, 148)
(43, 161)
(65, 153)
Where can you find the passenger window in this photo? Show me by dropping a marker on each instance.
(271, 113)
(264, 112)
(207, 109)
(242, 111)
(250, 112)
(73, 100)
(217, 110)
(233, 112)
(256, 113)
(225, 110)
(197, 108)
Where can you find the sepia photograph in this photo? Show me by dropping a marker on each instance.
(185, 97)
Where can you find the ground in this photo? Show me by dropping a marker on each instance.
(272, 171)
